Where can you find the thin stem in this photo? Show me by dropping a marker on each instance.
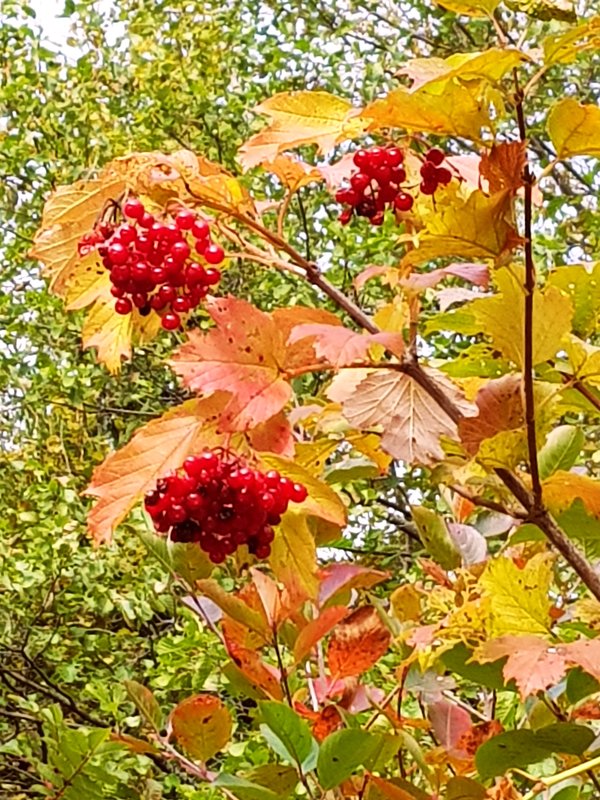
(530, 282)
(477, 500)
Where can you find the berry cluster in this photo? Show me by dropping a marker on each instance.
(375, 186)
(151, 264)
(378, 183)
(219, 502)
(432, 173)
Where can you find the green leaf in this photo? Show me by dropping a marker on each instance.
(343, 752)
(523, 747)
(464, 789)
(435, 537)
(560, 451)
(190, 561)
(580, 684)
(146, 703)
(490, 675)
(244, 788)
(291, 730)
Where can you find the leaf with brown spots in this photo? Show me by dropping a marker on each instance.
(357, 643)
(201, 725)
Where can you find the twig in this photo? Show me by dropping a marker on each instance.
(477, 500)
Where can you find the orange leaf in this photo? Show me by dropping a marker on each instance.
(293, 172)
(357, 643)
(503, 166)
(201, 725)
(261, 675)
(270, 598)
(389, 789)
(317, 629)
(160, 446)
(500, 409)
(341, 346)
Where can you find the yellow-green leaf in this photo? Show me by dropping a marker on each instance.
(294, 555)
(574, 128)
(299, 118)
(519, 600)
(475, 228)
(470, 8)
(562, 10)
(581, 39)
(582, 283)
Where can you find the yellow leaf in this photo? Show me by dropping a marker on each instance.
(501, 317)
(312, 456)
(406, 603)
(470, 8)
(563, 10)
(581, 39)
(574, 128)
(293, 555)
(369, 444)
(293, 172)
(519, 598)
(321, 502)
(478, 227)
(158, 447)
(109, 332)
(299, 118)
(562, 488)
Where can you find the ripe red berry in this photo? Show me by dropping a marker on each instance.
(127, 234)
(435, 156)
(347, 195)
(394, 156)
(181, 305)
(428, 171)
(214, 254)
(170, 321)
(443, 175)
(297, 493)
(134, 208)
(359, 182)
(403, 202)
(146, 221)
(118, 253)
(361, 158)
(200, 229)
(185, 219)
(179, 251)
(428, 187)
(123, 306)
(212, 276)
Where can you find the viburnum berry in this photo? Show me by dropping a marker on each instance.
(150, 261)
(220, 502)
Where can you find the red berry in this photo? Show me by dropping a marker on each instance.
(398, 175)
(185, 219)
(214, 254)
(127, 234)
(347, 195)
(120, 274)
(167, 293)
(123, 306)
(117, 291)
(361, 158)
(212, 276)
(140, 272)
(428, 171)
(157, 303)
(377, 158)
(181, 305)
(179, 251)
(346, 216)
(200, 229)
(394, 156)
(377, 219)
(382, 174)
(435, 156)
(146, 221)
(201, 246)
(158, 275)
(139, 299)
(195, 273)
(118, 253)
(428, 187)
(443, 176)
(297, 493)
(134, 208)
(170, 321)
(359, 182)
(403, 202)
(262, 551)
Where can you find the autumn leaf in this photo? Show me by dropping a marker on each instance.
(410, 421)
(503, 166)
(336, 578)
(519, 598)
(574, 128)
(449, 723)
(535, 665)
(316, 629)
(261, 675)
(562, 488)
(470, 8)
(293, 172)
(475, 273)
(160, 446)
(201, 725)
(580, 39)
(341, 346)
(357, 643)
(478, 227)
(299, 118)
(234, 607)
(294, 557)
(500, 405)
(581, 282)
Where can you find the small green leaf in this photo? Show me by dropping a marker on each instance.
(435, 537)
(464, 789)
(560, 450)
(243, 788)
(146, 703)
(579, 685)
(343, 752)
(291, 730)
(458, 660)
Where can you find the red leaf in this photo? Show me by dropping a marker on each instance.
(357, 643)
(261, 675)
(477, 274)
(317, 629)
(450, 723)
(477, 734)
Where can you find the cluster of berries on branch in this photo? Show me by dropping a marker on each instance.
(218, 501)
(167, 267)
(378, 184)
